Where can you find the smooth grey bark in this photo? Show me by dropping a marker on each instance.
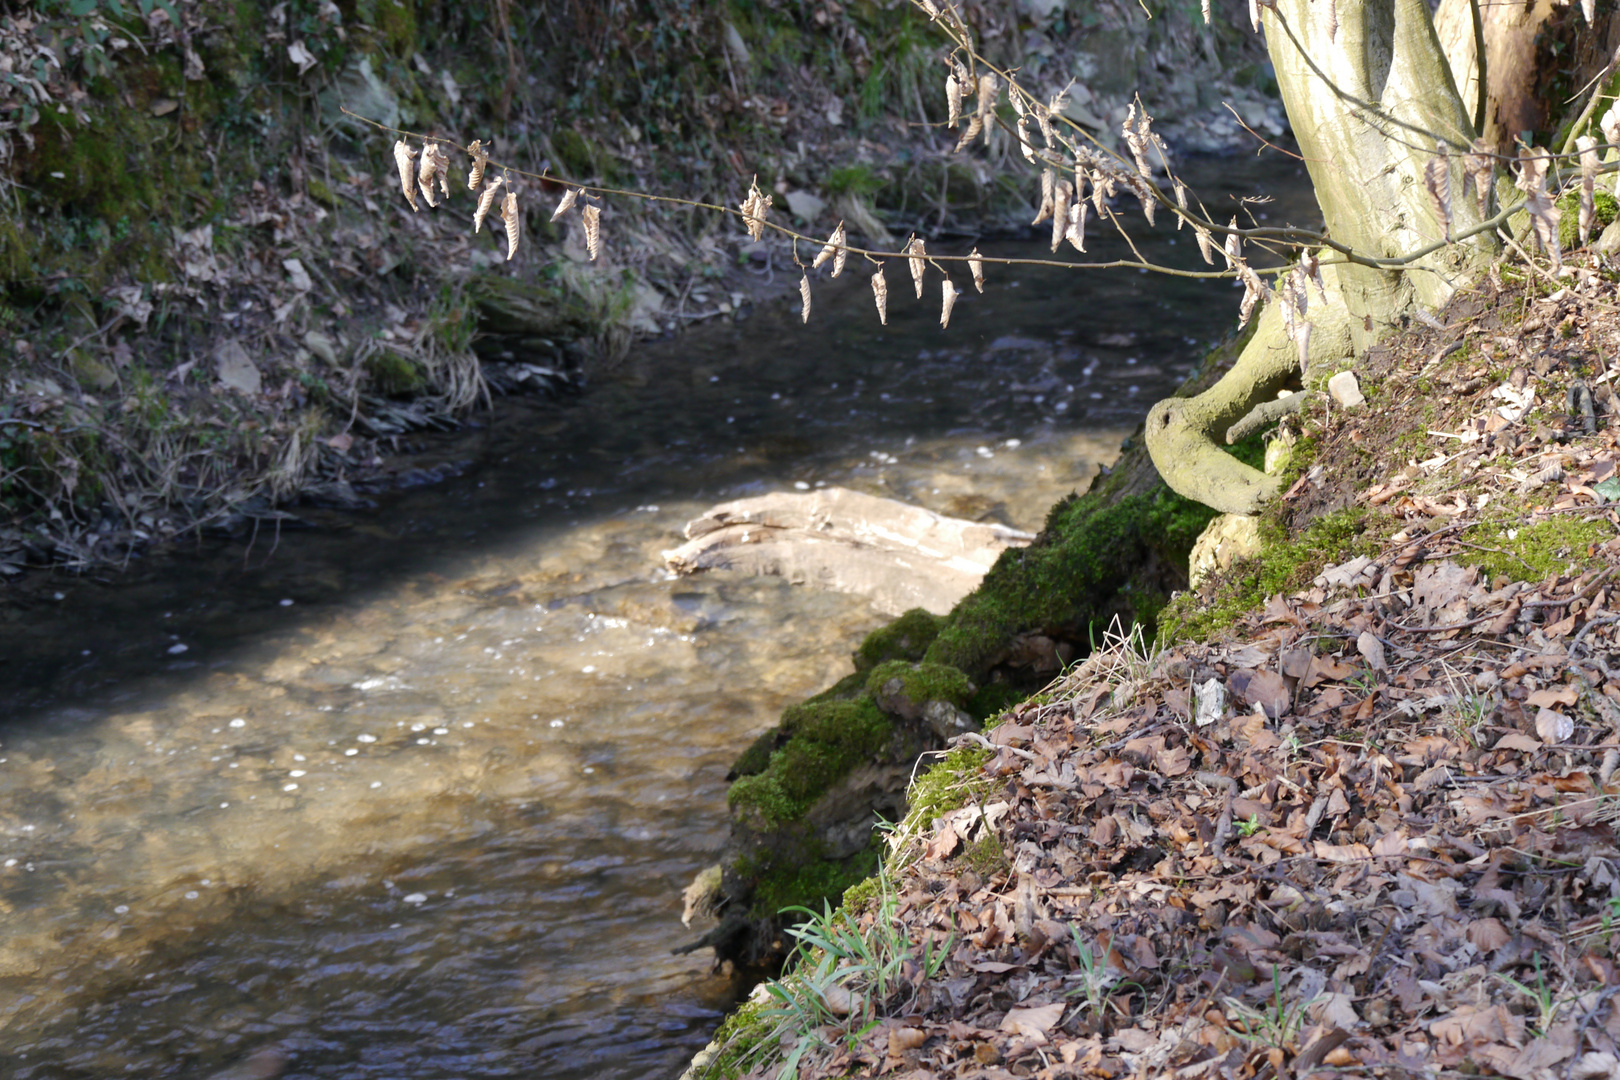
(1370, 96)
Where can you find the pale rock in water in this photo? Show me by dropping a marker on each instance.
(899, 556)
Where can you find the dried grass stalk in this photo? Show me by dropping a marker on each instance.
(950, 292)
(880, 293)
(486, 199)
(480, 160)
(509, 218)
(976, 266)
(404, 157)
(569, 198)
(804, 297)
(592, 216)
(916, 255)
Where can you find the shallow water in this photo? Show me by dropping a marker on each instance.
(416, 793)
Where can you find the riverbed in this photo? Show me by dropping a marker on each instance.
(415, 792)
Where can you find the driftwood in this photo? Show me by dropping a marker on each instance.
(899, 556)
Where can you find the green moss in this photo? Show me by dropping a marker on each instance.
(949, 785)
(395, 21)
(741, 1032)
(826, 738)
(1285, 562)
(813, 880)
(923, 682)
(1535, 552)
(907, 638)
(1569, 225)
(394, 374)
(986, 857)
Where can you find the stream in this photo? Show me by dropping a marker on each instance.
(415, 793)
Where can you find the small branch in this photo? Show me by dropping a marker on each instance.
(1264, 415)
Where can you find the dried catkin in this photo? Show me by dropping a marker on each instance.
(404, 157)
(880, 293)
(509, 218)
(1206, 245)
(951, 292)
(1048, 185)
(953, 100)
(1234, 245)
(804, 296)
(434, 167)
(480, 160)
(1061, 196)
(1076, 233)
(1437, 180)
(568, 199)
(976, 265)
(486, 199)
(1589, 166)
(834, 249)
(592, 216)
(917, 253)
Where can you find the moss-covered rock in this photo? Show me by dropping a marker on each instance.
(907, 638)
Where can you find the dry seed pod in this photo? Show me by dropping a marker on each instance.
(403, 157)
(1253, 291)
(953, 99)
(1136, 137)
(1589, 165)
(916, 253)
(987, 103)
(1054, 107)
(1144, 195)
(509, 218)
(880, 293)
(1076, 233)
(563, 206)
(1311, 263)
(592, 216)
(1544, 213)
(1103, 186)
(1181, 201)
(1437, 179)
(1048, 186)
(428, 171)
(1016, 96)
(1060, 211)
(1024, 145)
(486, 199)
(1477, 171)
(951, 292)
(441, 169)
(1206, 12)
(929, 6)
(975, 125)
(834, 250)
(1234, 245)
(480, 159)
(976, 265)
(753, 211)
(804, 296)
(1206, 244)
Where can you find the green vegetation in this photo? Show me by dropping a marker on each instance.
(824, 740)
(920, 683)
(907, 638)
(1559, 545)
(1569, 224)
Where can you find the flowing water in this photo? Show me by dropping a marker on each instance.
(415, 793)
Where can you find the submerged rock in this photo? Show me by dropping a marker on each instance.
(900, 556)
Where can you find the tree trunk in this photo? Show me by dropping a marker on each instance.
(1369, 94)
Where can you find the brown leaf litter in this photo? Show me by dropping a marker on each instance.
(1368, 832)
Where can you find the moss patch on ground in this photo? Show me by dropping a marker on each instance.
(825, 739)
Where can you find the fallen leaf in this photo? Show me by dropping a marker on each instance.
(1373, 650)
(1554, 726)
(1342, 853)
(1517, 740)
(1264, 688)
(1488, 935)
(1549, 696)
(906, 1038)
(1033, 1021)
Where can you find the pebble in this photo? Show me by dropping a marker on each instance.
(239, 722)
(1346, 390)
(416, 898)
(365, 738)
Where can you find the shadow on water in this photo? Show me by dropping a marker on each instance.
(416, 792)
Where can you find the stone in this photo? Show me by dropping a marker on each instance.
(364, 92)
(1346, 390)
(802, 204)
(897, 555)
(322, 347)
(297, 276)
(1609, 242)
(1224, 540)
(235, 367)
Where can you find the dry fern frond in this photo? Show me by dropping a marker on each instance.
(804, 296)
(434, 166)
(569, 198)
(834, 250)
(1206, 243)
(480, 160)
(404, 157)
(976, 266)
(1589, 166)
(880, 293)
(509, 218)
(1048, 186)
(1437, 180)
(1477, 171)
(1061, 197)
(953, 100)
(486, 199)
(951, 292)
(917, 254)
(1544, 213)
(592, 216)
(1076, 232)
